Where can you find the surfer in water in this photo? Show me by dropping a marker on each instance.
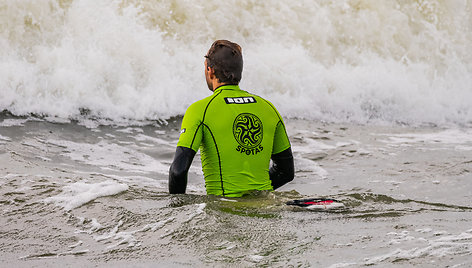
(237, 134)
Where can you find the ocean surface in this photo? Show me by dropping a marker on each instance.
(376, 96)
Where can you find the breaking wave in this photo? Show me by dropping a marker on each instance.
(341, 61)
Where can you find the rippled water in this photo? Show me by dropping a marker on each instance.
(98, 196)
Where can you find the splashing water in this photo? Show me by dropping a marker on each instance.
(357, 61)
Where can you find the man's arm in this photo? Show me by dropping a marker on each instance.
(282, 170)
(179, 170)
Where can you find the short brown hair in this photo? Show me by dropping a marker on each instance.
(226, 59)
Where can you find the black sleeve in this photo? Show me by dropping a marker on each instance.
(179, 170)
(282, 170)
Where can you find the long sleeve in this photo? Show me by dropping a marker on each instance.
(178, 171)
(282, 170)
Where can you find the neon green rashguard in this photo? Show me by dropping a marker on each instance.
(237, 133)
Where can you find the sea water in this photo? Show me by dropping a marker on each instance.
(376, 96)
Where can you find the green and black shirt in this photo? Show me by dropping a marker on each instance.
(237, 133)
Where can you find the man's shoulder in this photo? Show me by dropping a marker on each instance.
(261, 99)
(264, 101)
(200, 104)
(268, 105)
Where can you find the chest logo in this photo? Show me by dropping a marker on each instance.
(247, 130)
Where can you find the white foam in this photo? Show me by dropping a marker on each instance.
(309, 167)
(400, 237)
(154, 140)
(309, 145)
(127, 237)
(424, 230)
(130, 130)
(255, 258)
(3, 138)
(13, 175)
(460, 244)
(450, 136)
(110, 234)
(198, 211)
(342, 264)
(50, 255)
(79, 243)
(79, 193)
(95, 225)
(364, 152)
(337, 61)
(142, 181)
(13, 122)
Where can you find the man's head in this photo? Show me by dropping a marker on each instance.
(224, 61)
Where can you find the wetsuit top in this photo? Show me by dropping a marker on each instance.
(237, 133)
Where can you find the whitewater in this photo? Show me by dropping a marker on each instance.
(407, 62)
(376, 97)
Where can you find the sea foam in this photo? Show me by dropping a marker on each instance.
(343, 61)
(80, 193)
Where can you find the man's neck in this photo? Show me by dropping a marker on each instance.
(226, 86)
(217, 84)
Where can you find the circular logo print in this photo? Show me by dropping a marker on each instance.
(247, 130)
